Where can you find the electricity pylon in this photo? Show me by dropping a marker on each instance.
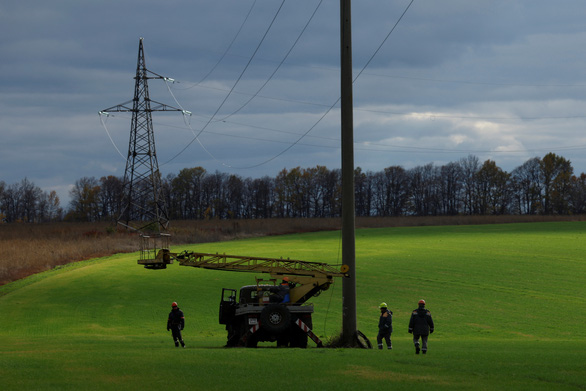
(143, 204)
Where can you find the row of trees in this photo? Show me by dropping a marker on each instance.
(539, 186)
(26, 202)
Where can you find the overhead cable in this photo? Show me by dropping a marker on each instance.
(232, 89)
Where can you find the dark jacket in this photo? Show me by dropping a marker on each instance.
(385, 322)
(176, 319)
(421, 322)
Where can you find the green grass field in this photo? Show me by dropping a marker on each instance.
(508, 303)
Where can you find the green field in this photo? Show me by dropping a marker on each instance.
(507, 300)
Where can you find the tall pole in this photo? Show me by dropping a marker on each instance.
(349, 326)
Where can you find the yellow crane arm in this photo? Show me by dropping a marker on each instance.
(274, 266)
(307, 278)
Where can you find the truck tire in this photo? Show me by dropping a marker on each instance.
(275, 318)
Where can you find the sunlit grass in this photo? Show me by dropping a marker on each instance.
(506, 300)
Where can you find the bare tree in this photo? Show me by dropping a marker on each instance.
(527, 185)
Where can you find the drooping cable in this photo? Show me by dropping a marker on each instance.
(108, 133)
(336, 102)
(384, 40)
(233, 87)
(227, 49)
(254, 95)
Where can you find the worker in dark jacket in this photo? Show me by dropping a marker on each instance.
(385, 326)
(421, 325)
(176, 323)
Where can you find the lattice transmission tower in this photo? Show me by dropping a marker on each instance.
(143, 204)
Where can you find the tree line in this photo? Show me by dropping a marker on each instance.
(470, 187)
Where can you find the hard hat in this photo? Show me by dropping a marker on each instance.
(286, 278)
(422, 302)
(382, 305)
(174, 304)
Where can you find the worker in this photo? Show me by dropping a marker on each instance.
(284, 290)
(176, 323)
(421, 325)
(385, 326)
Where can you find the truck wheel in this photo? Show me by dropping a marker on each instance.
(275, 318)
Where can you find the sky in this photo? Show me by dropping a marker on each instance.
(434, 82)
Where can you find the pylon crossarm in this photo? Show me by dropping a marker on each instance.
(122, 107)
(158, 106)
(157, 76)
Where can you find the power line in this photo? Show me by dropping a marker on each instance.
(254, 95)
(401, 113)
(384, 40)
(334, 104)
(329, 108)
(368, 146)
(101, 114)
(228, 48)
(280, 64)
(233, 87)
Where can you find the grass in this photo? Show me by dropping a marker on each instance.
(507, 301)
(33, 248)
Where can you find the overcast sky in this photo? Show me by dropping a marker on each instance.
(500, 79)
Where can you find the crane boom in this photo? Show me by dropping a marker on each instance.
(274, 266)
(308, 278)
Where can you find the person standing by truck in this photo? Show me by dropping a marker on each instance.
(176, 323)
(421, 325)
(385, 326)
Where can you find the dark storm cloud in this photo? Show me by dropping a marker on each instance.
(502, 80)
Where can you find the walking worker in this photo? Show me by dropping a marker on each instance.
(176, 323)
(385, 326)
(421, 325)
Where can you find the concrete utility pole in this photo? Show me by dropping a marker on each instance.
(349, 326)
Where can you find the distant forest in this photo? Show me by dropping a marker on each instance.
(544, 186)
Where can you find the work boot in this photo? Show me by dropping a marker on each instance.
(176, 344)
(424, 351)
(390, 347)
(380, 346)
(182, 344)
(417, 349)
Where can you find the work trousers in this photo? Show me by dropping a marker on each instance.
(423, 341)
(176, 334)
(386, 335)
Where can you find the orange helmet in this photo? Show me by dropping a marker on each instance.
(174, 304)
(422, 302)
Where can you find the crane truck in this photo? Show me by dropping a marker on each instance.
(261, 312)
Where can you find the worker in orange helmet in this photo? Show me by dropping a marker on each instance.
(421, 325)
(284, 290)
(176, 323)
